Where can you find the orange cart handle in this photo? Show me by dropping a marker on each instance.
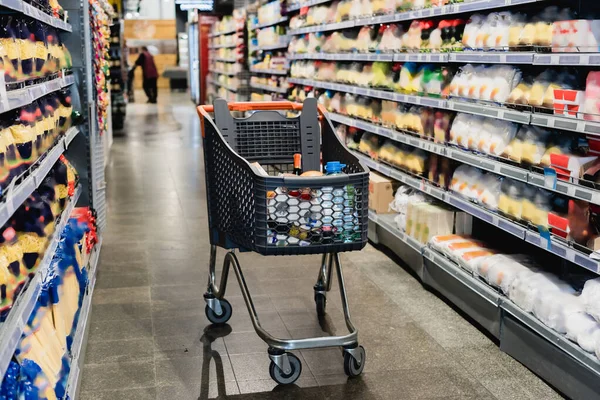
(258, 106)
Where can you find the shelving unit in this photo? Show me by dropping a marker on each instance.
(32, 12)
(118, 75)
(22, 97)
(551, 355)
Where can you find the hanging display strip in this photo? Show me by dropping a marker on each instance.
(218, 71)
(79, 336)
(309, 3)
(554, 246)
(476, 160)
(268, 71)
(22, 97)
(31, 11)
(268, 88)
(416, 14)
(231, 89)
(12, 329)
(267, 24)
(16, 195)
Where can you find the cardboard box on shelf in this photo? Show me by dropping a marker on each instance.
(381, 193)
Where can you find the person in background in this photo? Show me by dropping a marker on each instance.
(150, 74)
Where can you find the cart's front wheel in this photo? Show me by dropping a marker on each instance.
(291, 376)
(221, 318)
(321, 303)
(354, 364)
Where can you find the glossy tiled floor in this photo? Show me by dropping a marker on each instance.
(149, 338)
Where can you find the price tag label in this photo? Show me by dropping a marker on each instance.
(422, 185)
(550, 178)
(545, 240)
(10, 197)
(4, 104)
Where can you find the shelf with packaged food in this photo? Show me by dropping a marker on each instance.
(479, 160)
(215, 83)
(221, 72)
(269, 88)
(303, 4)
(36, 13)
(269, 23)
(227, 32)
(80, 337)
(283, 44)
(450, 9)
(12, 99)
(22, 187)
(223, 46)
(12, 328)
(225, 59)
(492, 57)
(268, 71)
(554, 245)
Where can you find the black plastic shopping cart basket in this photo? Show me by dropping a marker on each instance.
(255, 204)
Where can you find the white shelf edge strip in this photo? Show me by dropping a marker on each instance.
(223, 86)
(268, 24)
(16, 196)
(22, 97)
(268, 88)
(543, 120)
(73, 380)
(230, 60)
(223, 46)
(229, 32)
(216, 71)
(489, 294)
(269, 71)
(12, 329)
(555, 247)
(30, 11)
(415, 14)
(310, 3)
(482, 57)
(487, 163)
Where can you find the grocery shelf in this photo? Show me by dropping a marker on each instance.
(223, 46)
(281, 45)
(231, 89)
(228, 32)
(309, 3)
(17, 194)
(584, 59)
(267, 24)
(555, 246)
(218, 71)
(458, 57)
(269, 71)
(80, 336)
(12, 329)
(222, 59)
(22, 97)
(477, 160)
(520, 333)
(32, 12)
(269, 88)
(473, 6)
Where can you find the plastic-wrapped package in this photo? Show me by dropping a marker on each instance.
(471, 260)
(465, 181)
(441, 126)
(501, 133)
(441, 243)
(590, 296)
(412, 38)
(381, 72)
(489, 190)
(534, 145)
(588, 338)
(409, 70)
(415, 161)
(591, 105)
(579, 324)
(499, 34)
(502, 272)
(553, 309)
(536, 205)
(474, 24)
(391, 39)
(389, 111)
(370, 144)
(510, 201)
(524, 292)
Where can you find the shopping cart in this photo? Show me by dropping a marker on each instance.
(258, 209)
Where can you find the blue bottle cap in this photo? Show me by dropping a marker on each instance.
(333, 167)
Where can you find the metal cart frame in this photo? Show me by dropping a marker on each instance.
(285, 367)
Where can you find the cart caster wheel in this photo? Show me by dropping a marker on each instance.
(354, 366)
(223, 317)
(281, 377)
(321, 303)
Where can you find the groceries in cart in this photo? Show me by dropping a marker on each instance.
(312, 215)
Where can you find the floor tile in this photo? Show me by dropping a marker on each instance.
(127, 394)
(114, 312)
(132, 375)
(121, 295)
(116, 351)
(120, 329)
(191, 371)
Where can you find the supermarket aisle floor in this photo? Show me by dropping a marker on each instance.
(149, 338)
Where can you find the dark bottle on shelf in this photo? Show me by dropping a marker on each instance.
(297, 164)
